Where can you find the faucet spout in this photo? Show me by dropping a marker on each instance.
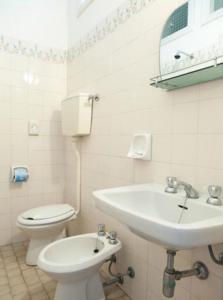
(173, 184)
(189, 190)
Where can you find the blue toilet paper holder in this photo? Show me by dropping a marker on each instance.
(19, 174)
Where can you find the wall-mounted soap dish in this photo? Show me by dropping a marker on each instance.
(141, 146)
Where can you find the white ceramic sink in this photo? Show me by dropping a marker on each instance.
(157, 216)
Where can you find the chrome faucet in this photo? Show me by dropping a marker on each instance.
(214, 198)
(101, 230)
(112, 236)
(191, 193)
(173, 184)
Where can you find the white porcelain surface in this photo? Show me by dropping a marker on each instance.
(141, 146)
(48, 225)
(46, 214)
(187, 139)
(74, 264)
(156, 216)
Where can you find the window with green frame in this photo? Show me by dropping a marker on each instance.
(216, 5)
(177, 21)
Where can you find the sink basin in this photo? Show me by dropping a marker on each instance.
(163, 218)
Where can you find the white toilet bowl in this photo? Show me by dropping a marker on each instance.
(44, 225)
(74, 263)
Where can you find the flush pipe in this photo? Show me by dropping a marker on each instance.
(75, 141)
(171, 275)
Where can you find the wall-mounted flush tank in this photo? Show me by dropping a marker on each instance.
(76, 115)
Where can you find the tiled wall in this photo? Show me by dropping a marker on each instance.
(21, 20)
(44, 154)
(187, 130)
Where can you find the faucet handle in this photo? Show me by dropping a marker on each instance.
(214, 191)
(112, 237)
(171, 184)
(215, 194)
(171, 181)
(101, 229)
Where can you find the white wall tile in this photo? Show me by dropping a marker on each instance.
(186, 127)
(210, 116)
(18, 104)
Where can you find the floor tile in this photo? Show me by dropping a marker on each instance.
(21, 282)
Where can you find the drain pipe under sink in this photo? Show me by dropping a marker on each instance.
(171, 275)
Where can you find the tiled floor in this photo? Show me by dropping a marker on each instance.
(21, 282)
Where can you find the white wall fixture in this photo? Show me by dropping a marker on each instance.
(33, 127)
(162, 217)
(76, 115)
(73, 263)
(141, 146)
(44, 225)
(167, 219)
(19, 173)
(30, 78)
(76, 122)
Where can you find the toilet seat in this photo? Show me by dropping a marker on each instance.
(47, 214)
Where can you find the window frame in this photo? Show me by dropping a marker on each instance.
(186, 29)
(212, 3)
(210, 15)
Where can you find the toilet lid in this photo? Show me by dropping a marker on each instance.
(46, 214)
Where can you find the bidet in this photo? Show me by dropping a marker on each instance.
(74, 263)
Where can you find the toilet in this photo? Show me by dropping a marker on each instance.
(74, 263)
(44, 225)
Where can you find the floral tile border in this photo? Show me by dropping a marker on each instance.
(30, 50)
(121, 15)
(107, 26)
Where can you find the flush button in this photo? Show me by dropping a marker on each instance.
(33, 127)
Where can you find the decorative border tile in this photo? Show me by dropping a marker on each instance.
(123, 13)
(30, 50)
(200, 56)
(107, 26)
